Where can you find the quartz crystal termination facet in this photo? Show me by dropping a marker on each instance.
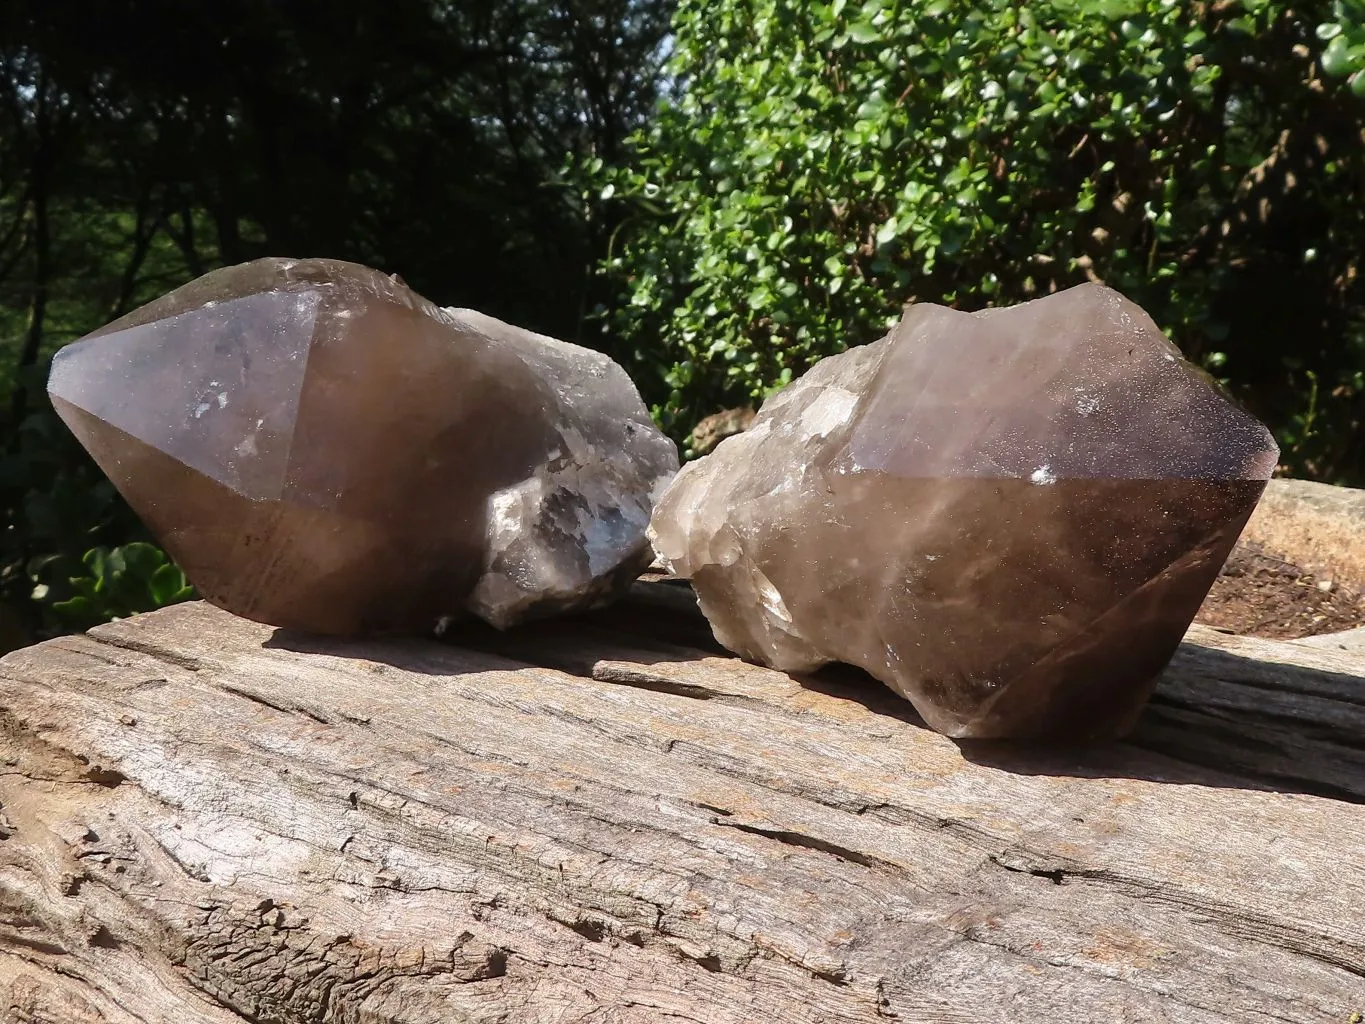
(321, 448)
(1009, 517)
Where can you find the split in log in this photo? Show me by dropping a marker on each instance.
(204, 821)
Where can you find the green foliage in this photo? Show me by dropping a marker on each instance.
(1344, 35)
(823, 164)
(120, 582)
(63, 563)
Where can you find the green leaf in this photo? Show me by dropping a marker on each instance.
(873, 107)
(863, 32)
(97, 561)
(81, 608)
(141, 559)
(167, 583)
(1336, 59)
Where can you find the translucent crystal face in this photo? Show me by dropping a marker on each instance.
(226, 407)
(1081, 385)
(320, 447)
(1009, 517)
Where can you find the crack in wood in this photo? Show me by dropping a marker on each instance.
(106, 637)
(807, 842)
(283, 708)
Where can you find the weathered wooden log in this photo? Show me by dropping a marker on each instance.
(204, 820)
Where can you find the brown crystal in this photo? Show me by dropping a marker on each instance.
(319, 447)
(1010, 517)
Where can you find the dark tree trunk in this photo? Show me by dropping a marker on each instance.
(222, 201)
(144, 230)
(41, 178)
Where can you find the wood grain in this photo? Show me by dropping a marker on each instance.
(205, 820)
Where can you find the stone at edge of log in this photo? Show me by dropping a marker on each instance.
(714, 429)
(1318, 526)
(321, 448)
(989, 512)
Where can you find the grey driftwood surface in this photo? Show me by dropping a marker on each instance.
(204, 821)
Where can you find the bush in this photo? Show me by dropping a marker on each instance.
(68, 554)
(824, 164)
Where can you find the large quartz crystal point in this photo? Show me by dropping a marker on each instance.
(321, 448)
(1010, 517)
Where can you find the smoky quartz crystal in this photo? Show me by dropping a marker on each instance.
(321, 448)
(1010, 517)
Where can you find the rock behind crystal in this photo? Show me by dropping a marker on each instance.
(321, 448)
(1010, 517)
